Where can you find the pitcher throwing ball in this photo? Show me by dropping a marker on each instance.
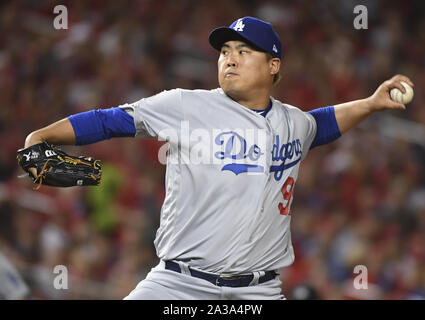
(233, 161)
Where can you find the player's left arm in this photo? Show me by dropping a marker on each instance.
(350, 114)
(333, 121)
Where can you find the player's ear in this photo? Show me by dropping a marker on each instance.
(274, 64)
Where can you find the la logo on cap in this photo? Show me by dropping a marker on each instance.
(274, 48)
(239, 25)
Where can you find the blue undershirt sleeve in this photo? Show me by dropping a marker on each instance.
(327, 126)
(102, 124)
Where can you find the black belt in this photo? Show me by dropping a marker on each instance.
(222, 281)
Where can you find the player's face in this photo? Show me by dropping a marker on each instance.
(243, 70)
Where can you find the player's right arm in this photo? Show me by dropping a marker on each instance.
(145, 118)
(58, 133)
(84, 128)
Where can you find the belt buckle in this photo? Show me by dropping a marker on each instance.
(225, 278)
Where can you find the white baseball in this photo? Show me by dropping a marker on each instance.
(401, 97)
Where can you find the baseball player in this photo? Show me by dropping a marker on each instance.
(232, 164)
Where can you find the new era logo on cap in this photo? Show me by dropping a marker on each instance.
(254, 31)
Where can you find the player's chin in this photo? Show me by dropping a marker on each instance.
(234, 94)
(230, 88)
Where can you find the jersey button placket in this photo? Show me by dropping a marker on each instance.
(269, 159)
(270, 136)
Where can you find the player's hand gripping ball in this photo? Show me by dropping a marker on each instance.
(57, 168)
(401, 97)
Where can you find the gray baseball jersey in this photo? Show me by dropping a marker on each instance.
(230, 178)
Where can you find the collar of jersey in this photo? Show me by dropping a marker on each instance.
(264, 112)
(256, 111)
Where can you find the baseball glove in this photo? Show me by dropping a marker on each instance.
(58, 169)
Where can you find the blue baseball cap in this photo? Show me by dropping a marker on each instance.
(254, 31)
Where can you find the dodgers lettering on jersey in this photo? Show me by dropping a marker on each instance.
(283, 153)
(229, 180)
(254, 153)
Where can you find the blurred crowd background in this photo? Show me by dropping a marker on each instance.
(358, 201)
